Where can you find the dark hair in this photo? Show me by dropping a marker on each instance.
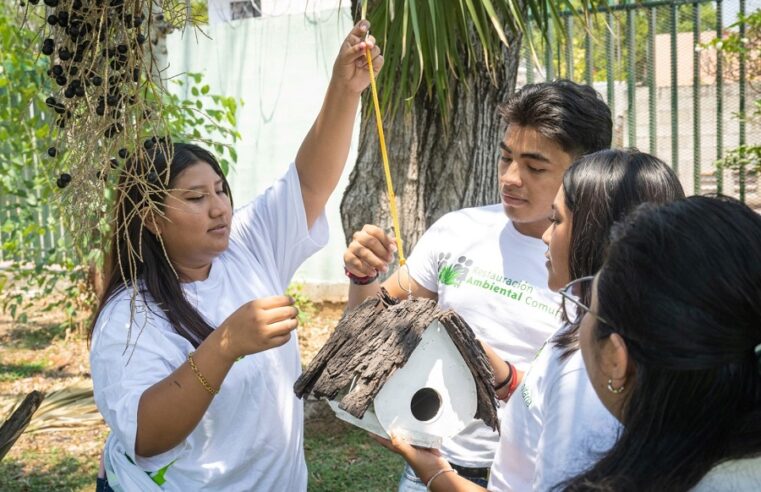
(601, 189)
(137, 258)
(682, 286)
(568, 113)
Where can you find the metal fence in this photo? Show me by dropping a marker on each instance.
(13, 207)
(670, 94)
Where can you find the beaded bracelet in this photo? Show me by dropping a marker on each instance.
(200, 377)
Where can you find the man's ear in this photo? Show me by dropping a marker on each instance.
(614, 360)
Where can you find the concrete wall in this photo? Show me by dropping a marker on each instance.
(707, 118)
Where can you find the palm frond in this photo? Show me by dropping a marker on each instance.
(431, 44)
(66, 408)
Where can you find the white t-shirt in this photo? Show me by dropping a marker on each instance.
(732, 476)
(251, 436)
(496, 279)
(553, 427)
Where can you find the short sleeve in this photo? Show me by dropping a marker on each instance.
(423, 262)
(577, 429)
(274, 227)
(125, 362)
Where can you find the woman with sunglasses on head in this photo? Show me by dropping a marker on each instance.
(555, 426)
(672, 345)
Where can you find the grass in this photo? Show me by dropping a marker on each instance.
(41, 354)
(36, 336)
(12, 372)
(343, 457)
(49, 470)
(339, 457)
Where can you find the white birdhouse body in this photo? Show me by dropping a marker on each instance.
(432, 397)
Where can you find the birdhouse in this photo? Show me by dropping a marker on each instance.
(405, 368)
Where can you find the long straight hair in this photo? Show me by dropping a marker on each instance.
(136, 256)
(682, 287)
(600, 189)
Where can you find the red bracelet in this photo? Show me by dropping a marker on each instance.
(357, 280)
(514, 383)
(511, 381)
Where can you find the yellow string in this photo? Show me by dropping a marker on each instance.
(384, 154)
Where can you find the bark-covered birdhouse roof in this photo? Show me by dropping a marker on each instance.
(378, 337)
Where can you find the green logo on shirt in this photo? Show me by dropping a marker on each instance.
(453, 273)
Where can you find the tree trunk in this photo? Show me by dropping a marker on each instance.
(434, 170)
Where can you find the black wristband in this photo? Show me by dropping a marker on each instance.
(507, 380)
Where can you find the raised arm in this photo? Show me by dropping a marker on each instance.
(323, 153)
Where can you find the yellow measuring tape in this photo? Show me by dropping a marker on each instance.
(384, 155)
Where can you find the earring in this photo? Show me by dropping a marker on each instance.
(614, 390)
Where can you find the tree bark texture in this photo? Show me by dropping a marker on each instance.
(435, 169)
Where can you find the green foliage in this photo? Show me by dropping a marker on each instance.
(599, 27)
(50, 470)
(12, 372)
(733, 46)
(303, 303)
(50, 256)
(209, 119)
(28, 207)
(431, 45)
(199, 12)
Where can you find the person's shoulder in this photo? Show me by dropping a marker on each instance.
(733, 475)
(123, 300)
(128, 307)
(487, 214)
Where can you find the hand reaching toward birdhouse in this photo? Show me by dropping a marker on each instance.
(433, 470)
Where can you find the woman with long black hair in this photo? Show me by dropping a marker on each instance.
(672, 344)
(554, 425)
(192, 357)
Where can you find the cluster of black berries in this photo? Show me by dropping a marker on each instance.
(75, 26)
(95, 60)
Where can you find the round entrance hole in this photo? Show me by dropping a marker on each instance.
(425, 404)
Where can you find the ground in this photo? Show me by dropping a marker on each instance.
(41, 354)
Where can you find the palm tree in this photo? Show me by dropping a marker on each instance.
(448, 65)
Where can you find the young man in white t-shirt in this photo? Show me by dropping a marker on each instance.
(487, 263)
